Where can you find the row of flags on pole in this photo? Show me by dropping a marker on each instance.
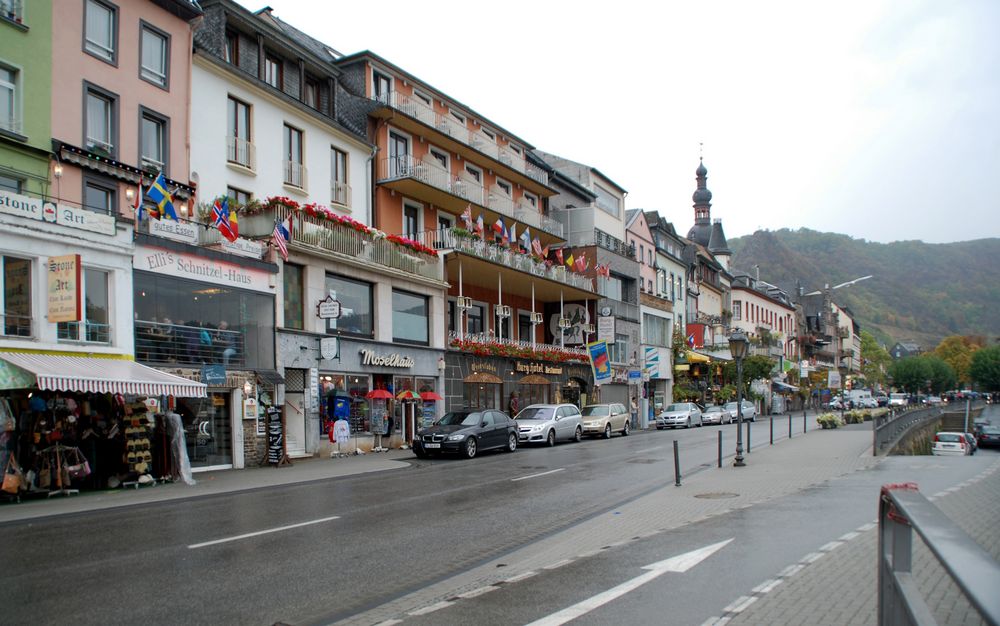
(225, 218)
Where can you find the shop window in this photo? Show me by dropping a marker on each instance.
(292, 284)
(356, 387)
(207, 429)
(482, 396)
(95, 326)
(356, 306)
(409, 317)
(16, 292)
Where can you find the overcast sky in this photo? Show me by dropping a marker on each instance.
(876, 119)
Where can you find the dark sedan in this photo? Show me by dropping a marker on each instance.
(467, 433)
(989, 436)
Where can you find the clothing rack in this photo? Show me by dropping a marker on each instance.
(59, 450)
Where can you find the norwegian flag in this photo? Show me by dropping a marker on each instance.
(225, 220)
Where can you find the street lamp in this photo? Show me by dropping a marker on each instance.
(738, 348)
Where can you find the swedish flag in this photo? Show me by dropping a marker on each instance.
(159, 194)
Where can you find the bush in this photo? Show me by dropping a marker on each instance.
(829, 420)
(855, 417)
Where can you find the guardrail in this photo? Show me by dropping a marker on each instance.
(887, 429)
(902, 509)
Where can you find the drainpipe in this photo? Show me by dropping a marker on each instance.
(370, 200)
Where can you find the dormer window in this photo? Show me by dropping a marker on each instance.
(273, 71)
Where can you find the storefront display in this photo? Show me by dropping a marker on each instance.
(207, 429)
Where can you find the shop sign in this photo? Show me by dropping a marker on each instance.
(179, 265)
(483, 366)
(185, 232)
(72, 217)
(64, 288)
(214, 375)
(313, 391)
(634, 376)
(250, 409)
(388, 360)
(329, 348)
(328, 308)
(833, 379)
(606, 329)
(619, 375)
(538, 368)
(243, 247)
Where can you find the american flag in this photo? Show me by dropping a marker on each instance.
(282, 236)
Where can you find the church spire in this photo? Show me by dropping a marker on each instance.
(702, 196)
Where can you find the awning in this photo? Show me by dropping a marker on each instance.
(534, 379)
(696, 357)
(483, 377)
(779, 386)
(270, 377)
(89, 374)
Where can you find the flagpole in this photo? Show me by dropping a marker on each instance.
(499, 304)
(562, 331)
(461, 322)
(533, 333)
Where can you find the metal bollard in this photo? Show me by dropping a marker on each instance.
(748, 437)
(720, 448)
(677, 466)
(771, 426)
(789, 425)
(803, 421)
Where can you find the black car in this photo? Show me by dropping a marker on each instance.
(989, 436)
(467, 432)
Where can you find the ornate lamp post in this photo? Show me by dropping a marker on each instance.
(738, 348)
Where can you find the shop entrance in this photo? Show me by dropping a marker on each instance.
(208, 430)
(295, 413)
(482, 391)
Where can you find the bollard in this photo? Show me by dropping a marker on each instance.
(677, 466)
(720, 448)
(771, 425)
(748, 437)
(803, 421)
(789, 425)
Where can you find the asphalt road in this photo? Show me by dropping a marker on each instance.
(326, 550)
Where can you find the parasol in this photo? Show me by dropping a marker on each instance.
(379, 394)
(430, 396)
(407, 394)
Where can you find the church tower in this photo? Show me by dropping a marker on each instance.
(701, 232)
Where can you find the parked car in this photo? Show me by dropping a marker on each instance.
(950, 444)
(679, 414)
(716, 415)
(467, 433)
(603, 419)
(882, 399)
(898, 399)
(749, 411)
(973, 446)
(989, 436)
(548, 423)
(933, 400)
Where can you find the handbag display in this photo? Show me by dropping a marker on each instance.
(13, 481)
(79, 467)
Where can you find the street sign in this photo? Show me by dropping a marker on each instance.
(328, 308)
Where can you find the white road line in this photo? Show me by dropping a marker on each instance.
(791, 570)
(558, 564)
(830, 546)
(849, 536)
(582, 608)
(767, 585)
(514, 480)
(519, 577)
(812, 558)
(653, 449)
(940, 494)
(430, 609)
(390, 622)
(866, 527)
(477, 592)
(262, 532)
(740, 604)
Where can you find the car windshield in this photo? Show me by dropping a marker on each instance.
(713, 409)
(991, 430)
(677, 407)
(950, 437)
(536, 413)
(730, 406)
(463, 418)
(600, 410)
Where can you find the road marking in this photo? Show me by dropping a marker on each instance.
(767, 585)
(849, 536)
(514, 480)
(477, 592)
(740, 604)
(791, 570)
(558, 564)
(866, 527)
(262, 532)
(390, 622)
(830, 546)
(812, 558)
(430, 609)
(519, 577)
(680, 564)
(653, 449)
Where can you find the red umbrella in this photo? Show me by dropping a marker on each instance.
(379, 394)
(430, 396)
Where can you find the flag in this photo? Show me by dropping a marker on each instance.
(545, 252)
(536, 246)
(160, 196)
(505, 237)
(581, 263)
(281, 237)
(526, 238)
(513, 237)
(498, 226)
(225, 220)
(467, 217)
(604, 270)
(138, 203)
(691, 340)
(569, 261)
(559, 256)
(479, 226)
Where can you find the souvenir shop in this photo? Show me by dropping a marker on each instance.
(73, 422)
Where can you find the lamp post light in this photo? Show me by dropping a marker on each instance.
(738, 348)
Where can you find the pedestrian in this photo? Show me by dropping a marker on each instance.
(635, 414)
(514, 405)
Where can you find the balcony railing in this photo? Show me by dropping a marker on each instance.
(512, 159)
(536, 174)
(621, 310)
(99, 145)
(491, 339)
(295, 174)
(609, 242)
(500, 203)
(16, 326)
(168, 343)
(484, 144)
(241, 152)
(405, 166)
(340, 193)
(530, 216)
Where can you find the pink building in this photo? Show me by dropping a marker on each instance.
(121, 90)
(639, 236)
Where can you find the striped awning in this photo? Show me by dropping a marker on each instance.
(90, 374)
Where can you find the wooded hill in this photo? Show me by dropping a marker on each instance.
(918, 291)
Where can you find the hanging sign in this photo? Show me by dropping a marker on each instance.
(329, 348)
(64, 288)
(63, 215)
(328, 308)
(599, 361)
(185, 232)
(606, 329)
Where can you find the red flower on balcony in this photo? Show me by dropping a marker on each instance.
(494, 348)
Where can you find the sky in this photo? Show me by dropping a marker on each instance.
(876, 119)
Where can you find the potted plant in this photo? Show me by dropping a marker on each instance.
(828, 420)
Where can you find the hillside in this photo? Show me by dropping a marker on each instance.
(918, 291)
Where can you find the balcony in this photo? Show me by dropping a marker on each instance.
(295, 174)
(528, 214)
(340, 193)
(609, 242)
(513, 160)
(485, 145)
(512, 347)
(620, 310)
(241, 152)
(500, 202)
(176, 344)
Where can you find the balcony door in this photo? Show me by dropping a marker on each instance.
(399, 154)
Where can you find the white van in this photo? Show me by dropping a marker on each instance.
(898, 399)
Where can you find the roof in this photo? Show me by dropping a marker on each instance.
(312, 44)
(554, 157)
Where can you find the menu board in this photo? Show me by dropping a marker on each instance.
(275, 436)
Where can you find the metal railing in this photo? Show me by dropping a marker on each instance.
(500, 202)
(100, 144)
(529, 214)
(903, 509)
(295, 174)
(241, 152)
(536, 174)
(491, 339)
(614, 244)
(84, 332)
(512, 159)
(16, 326)
(621, 310)
(168, 343)
(889, 428)
(340, 193)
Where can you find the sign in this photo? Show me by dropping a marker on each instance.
(600, 363)
(275, 436)
(64, 288)
(328, 308)
(634, 376)
(833, 379)
(313, 391)
(185, 232)
(652, 362)
(578, 317)
(428, 414)
(538, 368)
(219, 273)
(368, 357)
(606, 329)
(71, 217)
(213, 375)
(243, 247)
(329, 348)
(250, 408)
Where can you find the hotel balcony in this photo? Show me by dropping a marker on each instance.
(241, 152)
(489, 339)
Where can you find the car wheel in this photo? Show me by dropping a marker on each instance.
(511, 442)
(607, 431)
(625, 430)
(578, 437)
(421, 454)
(470, 447)
(551, 439)
(688, 424)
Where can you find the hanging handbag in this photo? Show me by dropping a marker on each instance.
(44, 476)
(80, 468)
(12, 480)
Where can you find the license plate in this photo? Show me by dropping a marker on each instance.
(431, 446)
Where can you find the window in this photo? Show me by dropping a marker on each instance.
(399, 154)
(152, 141)
(618, 351)
(606, 200)
(489, 133)
(655, 330)
(381, 87)
(440, 157)
(475, 173)
(294, 171)
(273, 71)
(240, 197)
(409, 317)
(291, 281)
(525, 329)
(649, 286)
(612, 288)
(10, 183)
(155, 50)
(475, 316)
(99, 196)
(9, 113)
(642, 253)
(458, 116)
(232, 47)
(94, 328)
(411, 219)
(310, 94)
(338, 177)
(16, 277)
(100, 131)
(531, 199)
(356, 308)
(504, 186)
(423, 98)
(239, 146)
(650, 257)
(452, 327)
(99, 29)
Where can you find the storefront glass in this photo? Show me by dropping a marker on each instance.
(532, 394)
(207, 429)
(356, 307)
(357, 387)
(482, 396)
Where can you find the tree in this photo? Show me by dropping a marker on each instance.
(985, 368)
(942, 375)
(754, 367)
(957, 352)
(910, 374)
(874, 359)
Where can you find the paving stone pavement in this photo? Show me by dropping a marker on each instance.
(841, 587)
